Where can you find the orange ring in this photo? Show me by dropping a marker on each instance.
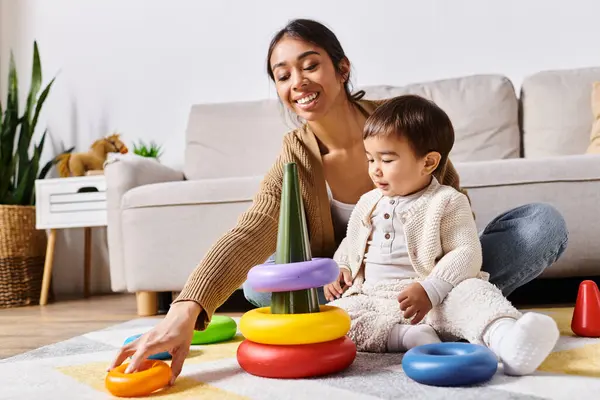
(151, 376)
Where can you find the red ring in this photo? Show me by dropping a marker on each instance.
(296, 361)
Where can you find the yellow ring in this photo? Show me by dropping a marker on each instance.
(260, 326)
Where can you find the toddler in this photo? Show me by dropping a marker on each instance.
(410, 264)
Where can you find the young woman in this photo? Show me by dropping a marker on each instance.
(312, 76)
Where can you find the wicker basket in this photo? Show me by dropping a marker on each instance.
(22, 253)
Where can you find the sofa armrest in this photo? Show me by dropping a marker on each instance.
(571, 184)
(193, 192)
(168, 227)
(123, 175)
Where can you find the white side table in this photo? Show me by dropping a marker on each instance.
(61, 203)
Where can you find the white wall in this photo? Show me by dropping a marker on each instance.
(136, 66)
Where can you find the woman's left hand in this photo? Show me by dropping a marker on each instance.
(414, 302)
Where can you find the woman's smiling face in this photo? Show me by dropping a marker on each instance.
(305, 78)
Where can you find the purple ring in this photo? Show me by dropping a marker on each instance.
(270, 277)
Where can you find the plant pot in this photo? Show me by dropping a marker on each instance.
(22, 254)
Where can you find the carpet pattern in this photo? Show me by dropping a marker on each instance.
(76, 368)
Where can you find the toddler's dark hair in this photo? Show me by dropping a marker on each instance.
(425, 125)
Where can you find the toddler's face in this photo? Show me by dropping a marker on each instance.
(393, 166)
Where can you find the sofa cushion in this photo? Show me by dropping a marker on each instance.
(234, 139)
(483, 110)
(185, 193)
(244, 138)
(557, 117)
(574, 168)
(594, 146)
(569, 183)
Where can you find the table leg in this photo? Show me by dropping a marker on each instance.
(48, 267)
(87, 262)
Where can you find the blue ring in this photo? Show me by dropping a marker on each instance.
(450, 364)
(165, 355)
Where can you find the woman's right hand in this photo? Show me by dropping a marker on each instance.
(334, 290)
(173, 334)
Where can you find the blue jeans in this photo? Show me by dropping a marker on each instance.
(517, 247)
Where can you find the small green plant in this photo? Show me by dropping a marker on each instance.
(151, 150)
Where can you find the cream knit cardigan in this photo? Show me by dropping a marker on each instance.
(440, 231)
(224, 267)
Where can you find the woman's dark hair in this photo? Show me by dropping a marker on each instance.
(318, 34)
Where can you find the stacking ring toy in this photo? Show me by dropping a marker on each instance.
(298, 361)
(260, 326)
(271, 277)
(295, 337)
(165, 355)
(220, 329)
(450, 364)
(152, 375)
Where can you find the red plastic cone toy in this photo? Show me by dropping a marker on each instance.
(586, 316)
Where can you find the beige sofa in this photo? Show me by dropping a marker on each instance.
(510, 149)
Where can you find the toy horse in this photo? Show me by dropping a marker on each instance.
(77, 164)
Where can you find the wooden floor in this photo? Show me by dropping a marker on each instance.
(27, 328)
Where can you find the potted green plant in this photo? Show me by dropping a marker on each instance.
(22, 247)
(150, 150)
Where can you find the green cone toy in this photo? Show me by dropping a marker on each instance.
(293, 246)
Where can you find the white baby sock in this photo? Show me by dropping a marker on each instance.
(405, 337)
(523, 344)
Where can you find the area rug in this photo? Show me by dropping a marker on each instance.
(76, 369)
